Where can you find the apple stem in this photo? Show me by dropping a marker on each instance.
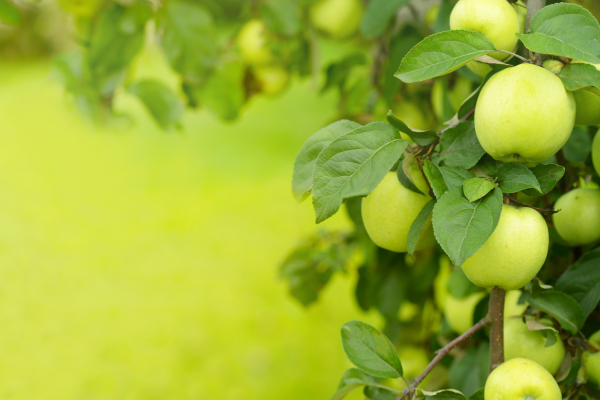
(496, 312)
(533, 6)
(543, 211)
(444, 351)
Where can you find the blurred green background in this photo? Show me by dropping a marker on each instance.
(137, 264)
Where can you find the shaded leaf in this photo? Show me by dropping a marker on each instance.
(281, 16)
(582, 281)
(561, 306)
(337, 73)
(547, 176)
(580, 76)
(459, 286)
(422, 138)
(419, 226)
(405, 177)
(459, 146)
(378, 15)
(514, 177)
(435, 178)
(455, 176)
(442, 22)
(476, 188)
(9, 13)
(469, 373)
(444, 394)
(478, 395)
(548, 332)
(162, 103)
(579, 145)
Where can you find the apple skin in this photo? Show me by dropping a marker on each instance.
(513, 254)
(440, 284)
(512, 308)
(339, 19)
(519, 379)
(592, 363)
(389, 211)
(273, 79)
(252, 44)
(578, 222)
(520, 342)
(517, 99)
(82, 8)
(459, 312)
(596, 152)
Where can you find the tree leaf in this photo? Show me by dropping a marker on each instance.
(548, 332)
(579, 145)
(459, 146)
(422, 138)
(455, 176)
(281, 16)
(9, 13)
(442, 22)
(338, 72)
(308, 154)
(404, 175)
(577, 76)
(435, 178)
(162, 103)
(378, 15)
(565, 30)
(459, 286)
(461, 227)
(444, 394)
(476, 188)
(442, 53)
(582, 281)
(469, 373)
(547, 175)
(353, 165)
(561, 306)
(514, 177)
(478, 395)
(419, 227)
(353, 379)
(370, 350)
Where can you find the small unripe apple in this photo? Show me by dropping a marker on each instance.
(512, 308)
(459, 312)
(440, 284)
(596, 152)
(520, 379)
(337, 18)
(524, 114)
(272, 79)
(520, 342)
(252, 43)
(389, 211)
(592, 363)
(513, 254)
(578, 221)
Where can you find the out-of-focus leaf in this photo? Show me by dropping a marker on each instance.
(9, 13)
(459, 286)
(419, 227)
(582, 281)
(442, 22)
(579, 145)
(162, 103)
(423, 138)
(282, 16)
(469, 373)
(377, 16)
(337, 73)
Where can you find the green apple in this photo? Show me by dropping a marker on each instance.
(337, 18)
(459, 312)
(252, 43)
(460, 90)
(414, 116)
(272, 79)
(578, 221)
(587, 185)
(521, 379)
(592, 363)
(440, 284)
(82, 8)
(389, 211)
(517, 99)
(512, 308)
(596, 152)
(515, 252)
(495, 19)
(588, 104)
(431, 15)
(520, 342)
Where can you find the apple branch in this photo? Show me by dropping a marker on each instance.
(496, 312)
(444, 351)
(543, 211)
(533, 6)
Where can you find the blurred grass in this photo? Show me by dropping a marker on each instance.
(136, 264)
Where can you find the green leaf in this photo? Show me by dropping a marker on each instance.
(422, 138)
(352, 379)
(9, 13)
(455, 176)
(577, 76)
(400, 44)
(162, 103)
(547, 176)
(189, 40)
(548, 332)
(476, 188)
(435, 178)
(444, 394)
(282, 16)
(579, 145)
(459, 286)
(459, 146)
(378, 15)
(419, 226)
(337, 73)
(469, 373)
(442, 53)
(561, 306)
(582, 281)
(308, 154)
(376, 393)
(565, 30)
(489, 165)
(353, 165)
(404, 175)
(478, 395)
(461, 227)
(370, 351)
(514, 177)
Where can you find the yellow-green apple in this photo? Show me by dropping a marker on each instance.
(272, 78)
(459, 312)
(337, 18)
(389, 211)
(460, 90)
(596, 152)
(588, 104)
(431, 15)
(513, 254)
(252, 43)
(578, 221)
(521, 379)
(512, 308)
(524, 114)
(440, 284)
(520, 342)
(592, 363)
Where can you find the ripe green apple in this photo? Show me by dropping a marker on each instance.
(512, 308)
(82, 8)
(592, 363)
(521, 379)
(440, 283)
(596, 152)
(578, 221)
(588, 104)
(514, 253)
(272, 79)
(525, 114)
(459, 312)
(389, 211)
(252, 43)
(337, 18)
(520, 342)
(495, 19)
(460, 90)
(413, 115)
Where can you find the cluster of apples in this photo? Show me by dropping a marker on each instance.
(523, 114)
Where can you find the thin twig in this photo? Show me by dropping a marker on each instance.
(444, 351)
(463, 119)
(514, 55)
(543, 211)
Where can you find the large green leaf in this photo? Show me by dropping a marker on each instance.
(9, 13)
(307, 156)
(442, 53)
(353, 165)
(582, 281)
(577, 76)
(370, 350)
(377, 16)
(459, 146)
(547, 175)
(561, 306)
(462, 227)
(419, 227)
(514, 177)
(566, 30)
(162, 103)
